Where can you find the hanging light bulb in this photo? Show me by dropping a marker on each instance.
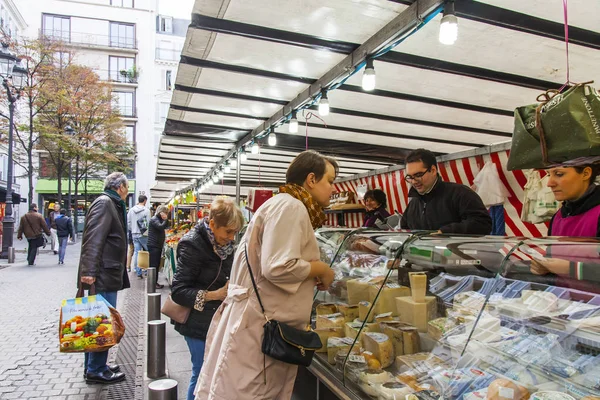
(215, 178)
(234, 162)
(368, 79)
(324, 105)
(221, 174)
(243, 155)
(272, 139)
(254, 149)
(227, 167)
(449, 25)
(293, 128)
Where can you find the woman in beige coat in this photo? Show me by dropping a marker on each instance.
(284, 257)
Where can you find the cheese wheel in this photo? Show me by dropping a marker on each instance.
(393, 391)
(411, 340)
(392, 329)
(381, 346)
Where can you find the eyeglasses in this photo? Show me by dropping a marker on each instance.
(417, 176)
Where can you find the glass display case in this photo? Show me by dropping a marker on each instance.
(428, 316)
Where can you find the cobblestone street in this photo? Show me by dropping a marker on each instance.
(31, 366)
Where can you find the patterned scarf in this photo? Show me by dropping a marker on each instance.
(222, 251)
(315, 211)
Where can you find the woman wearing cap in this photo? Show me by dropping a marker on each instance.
(283, 254)
(579, 216)
(375, 201)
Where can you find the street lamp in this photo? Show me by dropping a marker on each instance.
(13, 79)
(71, 132)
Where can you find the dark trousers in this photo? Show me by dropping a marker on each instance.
(155, 253)
(32, 250)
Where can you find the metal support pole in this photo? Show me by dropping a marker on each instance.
(8, 224)
(238, 181)
(11, 255)
(156, 355)
(153, 306)
(69, 194)
(151, 281)
(163, 389)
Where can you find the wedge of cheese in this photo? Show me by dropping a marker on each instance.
(417, 314)
(351, 329)
(392, 329)
(350, 312)
(335, 345)
(411, 340)
(358, 290)
(386, 300)
(325, 334)
(365, 313)
(330, 321)
(384, 317)
(326, 309)
(381, 346)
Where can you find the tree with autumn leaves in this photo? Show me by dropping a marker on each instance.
(72, 119)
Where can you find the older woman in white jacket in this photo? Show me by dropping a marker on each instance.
(284, 257)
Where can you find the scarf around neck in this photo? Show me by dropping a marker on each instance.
(115, 197)
(315, 211)
(222, 251)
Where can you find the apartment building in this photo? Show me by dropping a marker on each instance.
(12, 25)
(134, 44)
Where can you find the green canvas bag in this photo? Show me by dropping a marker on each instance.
(562, 127)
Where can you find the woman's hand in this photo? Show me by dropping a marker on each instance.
(545, 266)
(324, 281)
(218, 294)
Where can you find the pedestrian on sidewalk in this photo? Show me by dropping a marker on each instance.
(102, 262)
(156, 238)
(64, 231)
(33, 226)
(204, 258)
(130, 250)
(54, 242)
(137, 222)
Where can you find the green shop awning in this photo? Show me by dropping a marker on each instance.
(94, 186)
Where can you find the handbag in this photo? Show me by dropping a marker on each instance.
(283, 342)
(142, 224)
(562, 127)
(176, 312)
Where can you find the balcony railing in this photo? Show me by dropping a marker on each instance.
(127, 111)
(117, 76)
(167, 54)
(91, 39)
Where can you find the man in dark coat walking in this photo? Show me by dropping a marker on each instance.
(33, 226)
(103, 261)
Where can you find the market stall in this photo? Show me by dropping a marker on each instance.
(459, 318)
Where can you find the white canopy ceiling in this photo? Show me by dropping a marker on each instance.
(247, 63)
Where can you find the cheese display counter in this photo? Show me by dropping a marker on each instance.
(422, 316)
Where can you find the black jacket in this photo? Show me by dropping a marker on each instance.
(64, 227)
(449, 207)
(156, 231)
(198, 268)
(104, 246)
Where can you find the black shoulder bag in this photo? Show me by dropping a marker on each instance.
(283, 342)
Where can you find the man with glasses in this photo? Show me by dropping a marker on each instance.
(436, 205)
(103, 260)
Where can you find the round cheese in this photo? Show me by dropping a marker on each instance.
(504, 389)
(375, 376)
(393, 391)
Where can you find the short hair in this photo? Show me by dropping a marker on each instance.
(306, 163)
(226, 213)
(142, 198)
(378, 195)
(423, 155)
(114, 181)
(595, 171)
(63, 211)
(32, 207)
(55, 205)
(161, 209)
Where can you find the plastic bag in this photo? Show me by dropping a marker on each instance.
(539, 204)
(89, 324)
(489, 186)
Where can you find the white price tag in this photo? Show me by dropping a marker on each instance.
(358, 359)
(384, 315)
(506, 393)
(331, 316)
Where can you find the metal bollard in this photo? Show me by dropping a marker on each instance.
(151, 281)
(156, 356)
(153, 306)
(163, 389)
(11, 255)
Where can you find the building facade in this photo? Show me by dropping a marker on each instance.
(135, 45)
